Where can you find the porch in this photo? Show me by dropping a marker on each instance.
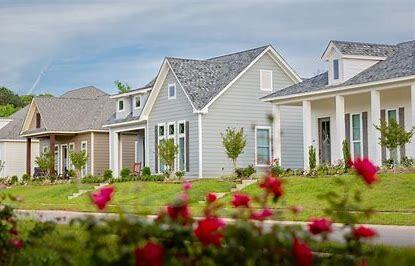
(331, 118)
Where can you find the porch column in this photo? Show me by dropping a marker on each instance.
(411, 152)
(28, 156)
(276, 113)
(339, 134)
(114, 157)
(52, 141)
(306, 131)
(374, 134)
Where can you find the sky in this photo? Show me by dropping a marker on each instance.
(54, 46)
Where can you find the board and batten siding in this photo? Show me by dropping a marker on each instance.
(240, 107)
(174, 110)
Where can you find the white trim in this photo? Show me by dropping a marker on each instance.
(351, 134)
(123, 123)
(58, 159)
(135, 102)
(183, 136)
(348, 56)
(118, 105)
(135, 151)
(69, 151)
(142, 91)
(62, 159)
(261, 72)
(18, 140)
(269, 145)
(92, 153)
(398, 149)
(86, 150)
(158, 142)
(335, 90)
(200, 135)
(171, 85)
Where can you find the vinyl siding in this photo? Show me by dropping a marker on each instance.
(352, 67)
(178, 109)
(240, 107)
(128, 156)
(14, 156)
(101, 152)
(137, 112)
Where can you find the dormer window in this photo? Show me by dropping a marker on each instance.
(265, 80)
(120, 105)
(336, 69)
(171, 91)
(137, 102)
(38, 120)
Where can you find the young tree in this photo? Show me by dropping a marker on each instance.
(122, 87)
(45, 162)
(168, 152)
(346, 154)
(234, 142)
(312, 157)
(79, 160)
(393, 135)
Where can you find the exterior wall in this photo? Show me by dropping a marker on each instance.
(140, 147)
(101, 152)
(335, 55)
(127, 150)
(240, 107)
(137, 111)
(127, 108)
(165, 111)
(13, 153)
(352, 67)
(358, 103)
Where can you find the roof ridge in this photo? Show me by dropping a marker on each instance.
(368, 43)
(190, 59)
(234, 53)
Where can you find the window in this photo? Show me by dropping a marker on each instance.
(336, 69)
(120, 105)
(263, 147)
(137, 102)
(265, 80)
(38, 120)
(56, 153)
(45, 149)
(356, 133)
(171, 90)
(161, 136)
(171, 130)
(182, 146)
(393, 115)
(71, 149)
(84, 147)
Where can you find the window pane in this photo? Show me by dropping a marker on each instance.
(137, 101)
(120, 105)
(356, 127)
(336, 69)
(172, 91)
(356, 149)
(161, 130)
(262, 138)
(171, 129)
(263, 155)
(181, 128)
(181, 154)
(392, 115)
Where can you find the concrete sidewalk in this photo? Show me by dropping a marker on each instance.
(392, 235)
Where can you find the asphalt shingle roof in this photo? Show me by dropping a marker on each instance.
(204, 79)
(365, 49)
(12, 129)
(399, 64)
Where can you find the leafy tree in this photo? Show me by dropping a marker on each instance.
(393, 135)
(168, 152)
(45, 162)
(7, 96)
(26, 99)
(346, 154)
(122, 87)
(312, 157)
(79, 160)
(234, 142)
(7, 110)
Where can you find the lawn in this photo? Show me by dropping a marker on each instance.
(393, 198)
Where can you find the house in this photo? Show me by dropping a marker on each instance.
(365, 83)
(13, 147)
(71, 122)
(193, 101)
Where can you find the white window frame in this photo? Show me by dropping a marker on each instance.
(351, 135)
(71, 144)
(168, 91)
(261, 81)
(173, 137)
(83, 174)
(57, 158)
(135, 102)
(269, 142)
(398, 149)
(135, 151)
(159, 138)
(179, 136)
(118, 105)
(67, 159)
(338, 68)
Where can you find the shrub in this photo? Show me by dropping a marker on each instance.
(179, 174)
(312, 157)
(245, 172)
(125, 173)
(234, 142)
(107, 174)
(26, 177)
(146, 171)
(14, 180)
(71, 173)
(45, 161)
(79, 161)
(346, 154)
(276, 169)
(92, 179)
(407, 162)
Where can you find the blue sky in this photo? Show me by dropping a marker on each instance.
(53, 46)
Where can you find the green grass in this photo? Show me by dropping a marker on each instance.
(393, 197)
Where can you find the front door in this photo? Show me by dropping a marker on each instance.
(324, 140)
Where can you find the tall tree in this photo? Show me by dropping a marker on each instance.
(7, 96)
(122, 87)
(234, 142)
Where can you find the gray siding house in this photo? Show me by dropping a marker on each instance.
(194, 101)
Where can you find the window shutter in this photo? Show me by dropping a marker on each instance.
(383, 118)
(187, 146)
(402, 124)
(156, 150)
(365, 135)
(347, 128)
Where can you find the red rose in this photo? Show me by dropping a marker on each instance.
(241, 200)
(179, 211)
(302, 253)
(102, 196)
(318, 226)
(261, 215)
(187, 186)
(207, 231)
(13, 232)
(150, 255)
(273, 185)
(363, 232)
(16, 243)
(366, 170)
(211, 197)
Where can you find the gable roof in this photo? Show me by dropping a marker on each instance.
(365, 49)
(78, 110)
(400, 64)
(12, 129)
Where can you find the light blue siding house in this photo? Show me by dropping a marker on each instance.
(194, 101)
